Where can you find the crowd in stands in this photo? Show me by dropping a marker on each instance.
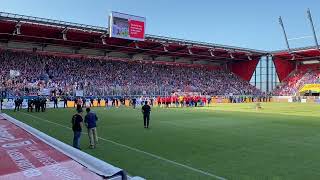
(97, 77)
(296, 80)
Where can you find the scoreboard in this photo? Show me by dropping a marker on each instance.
(127, 26)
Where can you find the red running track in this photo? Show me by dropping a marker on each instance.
(24, 156)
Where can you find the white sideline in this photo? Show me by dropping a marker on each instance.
(140, 151)
(92, 163)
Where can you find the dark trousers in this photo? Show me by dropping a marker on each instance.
(76, 139)
(146, 119)
(30, 108)
(16, 107)
(38, 108)
(55, 104)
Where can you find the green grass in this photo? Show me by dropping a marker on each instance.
(234, 141)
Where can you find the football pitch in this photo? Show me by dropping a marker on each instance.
(226, 141)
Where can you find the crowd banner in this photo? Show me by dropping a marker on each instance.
(294, 99)
(8, 104)
(14, 73)
(45, 92)
(310, 87)
(70, 104)
(33, 146)
(281, 98)
(79, 93)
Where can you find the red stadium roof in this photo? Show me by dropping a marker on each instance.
(300, 54)
(50, 32)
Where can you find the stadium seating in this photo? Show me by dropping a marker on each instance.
(99, 77)
(296, 80)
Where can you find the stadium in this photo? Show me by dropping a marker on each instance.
(217, 111)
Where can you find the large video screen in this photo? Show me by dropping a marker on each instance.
(127, 26)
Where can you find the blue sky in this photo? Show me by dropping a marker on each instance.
(246, 23)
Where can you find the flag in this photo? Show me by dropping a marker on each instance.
(14, 73)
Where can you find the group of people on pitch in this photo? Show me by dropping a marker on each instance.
(90, 121)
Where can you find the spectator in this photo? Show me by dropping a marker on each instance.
(112, 77)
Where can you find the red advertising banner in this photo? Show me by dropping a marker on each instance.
(24, 156)
(136, 29)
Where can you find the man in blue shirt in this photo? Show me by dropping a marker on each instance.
(90, 121)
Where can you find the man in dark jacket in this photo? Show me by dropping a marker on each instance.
(43, 104)
(55, 102)
(91, 122)
(17, 104)
(65, 101)
(134, 102)
(77, 121)
(36, 103)
(99, 102)
(30, 105)
(91, 102)
(146, 109)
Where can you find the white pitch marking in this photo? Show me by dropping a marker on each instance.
(140, 151)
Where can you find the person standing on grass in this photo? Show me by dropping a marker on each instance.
(55, 102)
(91, 102)
(36, 103)
(75, 102)
(1, 101)
(65, 101)
(16, 104)
(134, 102)
(83, 102)
(43, 104)
(30, 105)
(90, 121)
(77, 122)
(99, 101)
(146, 109)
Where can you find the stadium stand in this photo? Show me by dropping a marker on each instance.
(107, 77)
(297, 79)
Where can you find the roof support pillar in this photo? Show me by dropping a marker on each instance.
(312, 27)
(284, 34)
